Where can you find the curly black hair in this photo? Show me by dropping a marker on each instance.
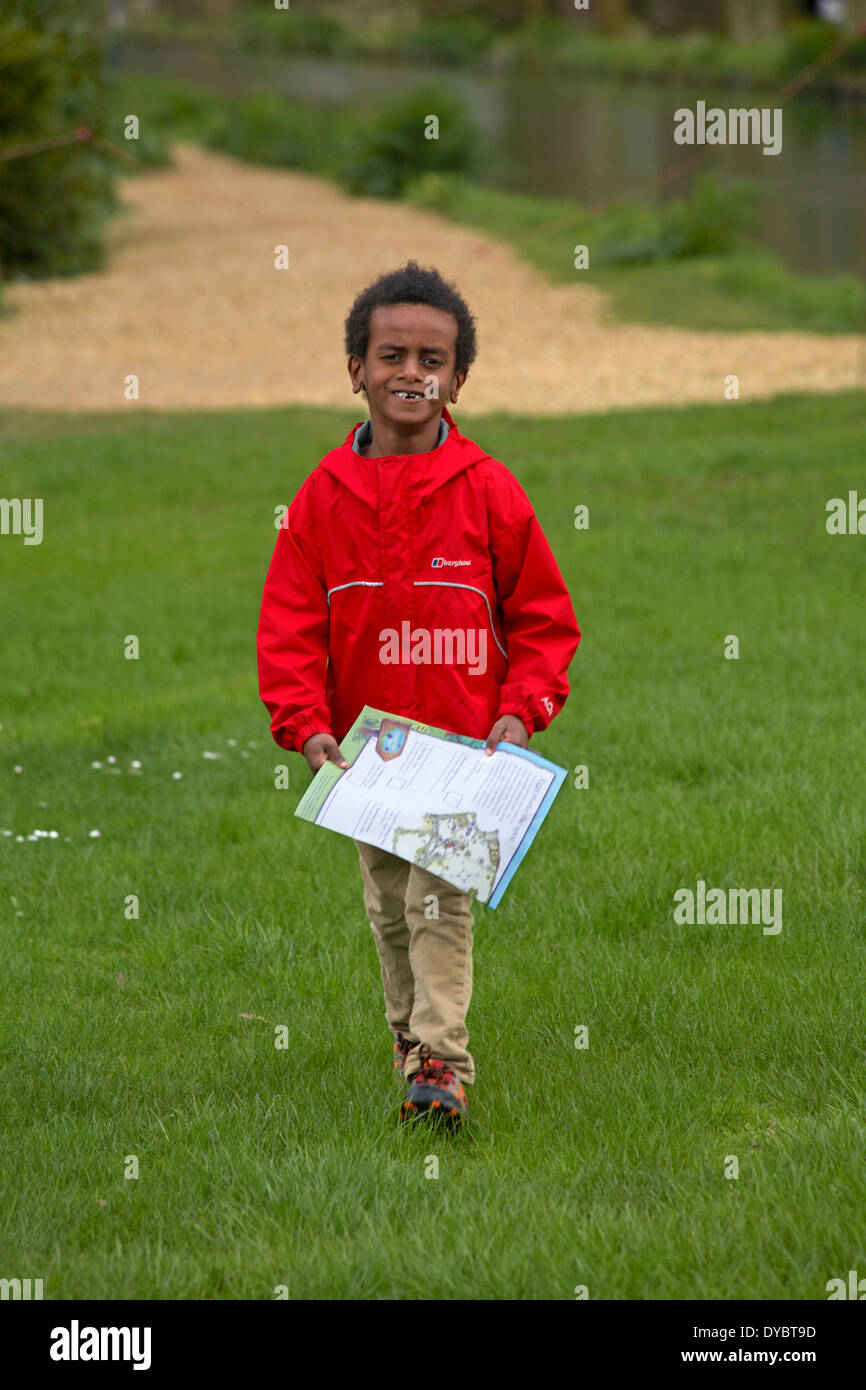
(411, 285)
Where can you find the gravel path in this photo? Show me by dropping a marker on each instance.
(191, 303)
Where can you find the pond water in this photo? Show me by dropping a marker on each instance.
(595, 141)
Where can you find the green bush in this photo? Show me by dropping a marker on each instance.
(632, 234)
(549, 44)
(52, 203)
(373, 154)
(167, 110)
(462, 40)
(391, 149)
(806, 42)
(290, 31)
(714, 220)
(267, 129)
(821, 303)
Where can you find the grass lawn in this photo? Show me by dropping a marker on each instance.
(603, 1166)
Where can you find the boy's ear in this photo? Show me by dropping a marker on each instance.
(456, 385)
(356, 373)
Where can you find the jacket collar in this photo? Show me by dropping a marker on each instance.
(426, 472)
(366, 426)
(364, 435)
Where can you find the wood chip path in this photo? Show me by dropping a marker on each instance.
(191, 303)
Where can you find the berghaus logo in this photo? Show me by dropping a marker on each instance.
(439, 561)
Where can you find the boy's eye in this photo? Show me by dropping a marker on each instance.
(388, 356)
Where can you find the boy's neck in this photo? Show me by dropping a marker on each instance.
(387, 442)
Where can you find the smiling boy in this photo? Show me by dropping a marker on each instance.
(411, 528)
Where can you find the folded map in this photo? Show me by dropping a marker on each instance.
(436, 799)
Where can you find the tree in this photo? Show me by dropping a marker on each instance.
(53, 200)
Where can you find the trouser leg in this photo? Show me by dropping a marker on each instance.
(439, 919)
(386, 879)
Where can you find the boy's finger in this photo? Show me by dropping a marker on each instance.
(493, 738)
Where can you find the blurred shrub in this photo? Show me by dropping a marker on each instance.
(167, 110)
(510, 215)
(819, 303)
(438, 192)
(375, 154)
(807, 41)
(267, 129)
(503, 14)
(391, 148)
(712, 221)
(462, 40)
(548, 44)
(52, 203)
(290, 31)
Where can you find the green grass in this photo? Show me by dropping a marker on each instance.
(745, 292)
(603, 1167)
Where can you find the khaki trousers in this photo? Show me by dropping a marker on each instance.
(422, 927)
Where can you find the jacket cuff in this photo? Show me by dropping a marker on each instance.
(307, 728)
(294, 735)
(522, 711)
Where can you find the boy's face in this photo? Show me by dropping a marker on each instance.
(410, 346)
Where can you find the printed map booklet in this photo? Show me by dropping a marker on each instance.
(435, 799)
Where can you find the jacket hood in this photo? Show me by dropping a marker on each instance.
(428, 471)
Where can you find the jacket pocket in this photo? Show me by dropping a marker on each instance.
(466, 618)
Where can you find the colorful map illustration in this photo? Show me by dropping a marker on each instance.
(454, 848)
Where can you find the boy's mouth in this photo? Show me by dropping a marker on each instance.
(408, 395)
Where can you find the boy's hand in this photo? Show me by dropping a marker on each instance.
(508, 729)
(320, 748)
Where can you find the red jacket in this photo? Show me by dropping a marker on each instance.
(373, 554)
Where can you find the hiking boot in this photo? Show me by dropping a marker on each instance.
(436, 1090)
(402, 1047)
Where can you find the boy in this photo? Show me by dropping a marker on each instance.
(409, 525)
